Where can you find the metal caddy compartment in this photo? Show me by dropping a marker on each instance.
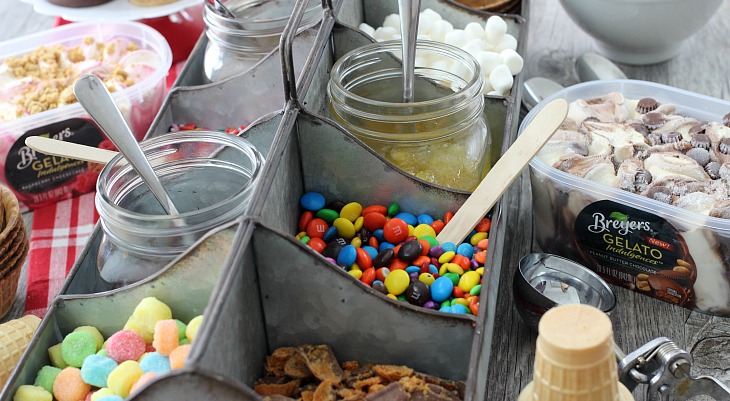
(197, 272)
(281, 293)
(265, 289)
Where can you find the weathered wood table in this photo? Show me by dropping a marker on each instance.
(703, 66)
(553, 43)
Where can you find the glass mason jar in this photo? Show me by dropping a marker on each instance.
(210, 178)
(442, 136)
(237, 44)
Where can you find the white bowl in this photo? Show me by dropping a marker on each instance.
(640, 31)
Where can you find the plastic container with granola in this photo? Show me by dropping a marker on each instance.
(37, 73)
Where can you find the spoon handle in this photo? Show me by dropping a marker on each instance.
(98, 102)
(408, 11)
(504, 172)
(592, 66)
(222, 9)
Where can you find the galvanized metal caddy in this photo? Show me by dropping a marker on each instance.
(258, 287)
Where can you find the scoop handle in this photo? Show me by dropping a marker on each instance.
(504, 172)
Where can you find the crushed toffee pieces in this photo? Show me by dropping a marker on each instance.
(312, 373)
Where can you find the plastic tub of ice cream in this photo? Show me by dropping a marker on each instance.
(37, 73)
(639, 200)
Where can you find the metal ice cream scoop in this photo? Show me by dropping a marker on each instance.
(537, 88)
(593, 67)
(665, 367)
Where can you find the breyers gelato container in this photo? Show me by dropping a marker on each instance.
(637, 190)
(37, 73)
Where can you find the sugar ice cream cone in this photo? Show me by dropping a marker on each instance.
(14, 338)
(574, 358)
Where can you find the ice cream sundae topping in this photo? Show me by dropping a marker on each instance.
(646, 105)
(43, 79)
(700, 140)
(653, 120)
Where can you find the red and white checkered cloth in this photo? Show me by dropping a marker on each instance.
(58, 234)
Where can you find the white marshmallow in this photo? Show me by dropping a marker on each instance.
(488, 47)
(488, 61)
(425, 23)
(501, 79)
(508, 42)
(457, 38)
(459, 70)
(439, 29)
(442, 64)
(474, 47)
(367, 29)
(474, 31)
(495, 28)
(487, 86)
(492, 46)
(422, 62)
(433, 15)
(386, 33)
(392, 21)
(512, 60)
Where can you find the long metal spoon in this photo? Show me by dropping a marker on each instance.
(222, 9)
(98, 102)
(408, 11)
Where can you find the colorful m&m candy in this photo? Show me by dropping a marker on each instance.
(396, 252)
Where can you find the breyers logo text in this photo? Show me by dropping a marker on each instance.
(624, 226)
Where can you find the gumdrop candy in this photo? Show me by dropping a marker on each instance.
(125, 345)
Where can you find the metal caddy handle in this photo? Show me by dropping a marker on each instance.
(665, 367)
(286, 43)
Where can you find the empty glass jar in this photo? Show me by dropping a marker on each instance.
(237, 44)
(209, 176)
(442, 136)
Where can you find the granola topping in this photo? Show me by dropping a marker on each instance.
(43, 79)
